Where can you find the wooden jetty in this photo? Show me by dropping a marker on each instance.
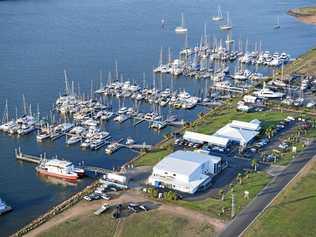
(28, 158)
(230, 89)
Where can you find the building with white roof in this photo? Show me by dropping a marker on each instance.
(240, 132)
(203, 138)
(185, 171)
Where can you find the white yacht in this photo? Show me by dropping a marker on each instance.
(43, 135)
(26, 129)
(130, 141)
(73, 139)
(4, 208)
(268, 93)
(219, 16)
(5, 127)
(181, 28)
(228, 25)
(121, 118)
(122, 110)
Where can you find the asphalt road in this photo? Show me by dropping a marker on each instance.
(243, 219)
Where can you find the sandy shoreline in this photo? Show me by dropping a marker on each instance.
(303, 17)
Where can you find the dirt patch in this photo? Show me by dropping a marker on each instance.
(84, 208)
(307, 19)
(219, 225)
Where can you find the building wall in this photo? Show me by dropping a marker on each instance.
(172, 185)
(172, 175)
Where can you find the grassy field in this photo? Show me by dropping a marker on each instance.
(292, 213)
(150, 224)
(305, 11)
(218, 120)
(151, 158)
(91, 225)
(160, 224)
(305, 64)
(213, 207)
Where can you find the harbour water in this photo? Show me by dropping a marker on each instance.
(39, 39)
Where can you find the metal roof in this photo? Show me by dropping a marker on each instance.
(254, 126)
(185, 162)
(237, 134)
(58, 163)
(210, 139)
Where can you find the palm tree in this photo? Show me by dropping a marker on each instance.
(239, 177)
(222, 194)
(269, 132)
(254, 164)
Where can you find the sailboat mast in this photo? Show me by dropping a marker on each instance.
(182, 19)
(24, 105)
(160, 58)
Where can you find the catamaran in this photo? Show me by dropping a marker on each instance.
(182, 28)
(219, 16)
(59, 169)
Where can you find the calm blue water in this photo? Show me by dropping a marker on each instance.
(39, 39)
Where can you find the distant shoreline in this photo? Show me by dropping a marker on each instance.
(304, 14)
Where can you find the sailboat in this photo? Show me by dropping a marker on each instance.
(182, 28)
(6, 123)
(228, 25)
(277, 25)
(219, 16)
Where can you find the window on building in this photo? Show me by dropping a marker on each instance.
(174, 174)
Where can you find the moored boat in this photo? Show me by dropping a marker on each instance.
(59, 169)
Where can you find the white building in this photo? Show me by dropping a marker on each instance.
(203, 138)
(185, 171)
(240, 132)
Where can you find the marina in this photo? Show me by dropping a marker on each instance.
(199, 74)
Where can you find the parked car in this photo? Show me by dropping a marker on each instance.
(271, 157)
(143, 207)
(263, 142)
(218, 149)
(283, 146)
(92, 197)
(105, 196)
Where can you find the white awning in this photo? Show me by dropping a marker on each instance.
(254, 126)
(203, 138)
(243, 136)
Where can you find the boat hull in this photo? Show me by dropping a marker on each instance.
(60, 176)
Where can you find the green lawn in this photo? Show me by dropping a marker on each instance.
(305, 11)
(292, 213)
(160, 224)
(214, 122)
(151, 158)
(149, 224)
(213, 207)
(305, 64)
(286, 157)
